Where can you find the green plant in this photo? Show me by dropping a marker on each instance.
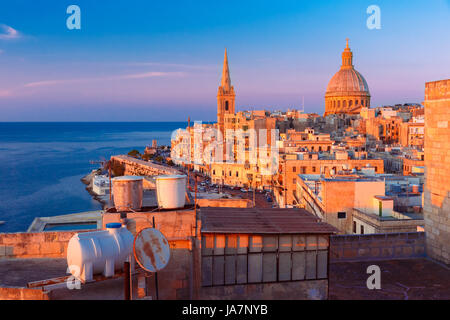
(134, 153)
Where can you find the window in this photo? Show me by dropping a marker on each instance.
(294, 169)
(342, 215)
(354, 226)
(313, 169)
(226, 105)
(294, 181)
(237, 174)
(238, 259)
(362, 229)
(214, 172)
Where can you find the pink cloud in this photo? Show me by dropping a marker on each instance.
(4, 93)
(118, 77)
(7, 32)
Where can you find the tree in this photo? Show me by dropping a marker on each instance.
(147, 156)
(134, 153)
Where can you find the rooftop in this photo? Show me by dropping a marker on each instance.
(262, 221)
(399, 280)
(403, 279)
(349, 177)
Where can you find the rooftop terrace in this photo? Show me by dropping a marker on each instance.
(402, 279)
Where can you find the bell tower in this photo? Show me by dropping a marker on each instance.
(225, 95)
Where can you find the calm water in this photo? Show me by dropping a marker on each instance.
(41, 164)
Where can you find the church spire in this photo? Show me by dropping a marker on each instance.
(226, 81)
(347, 58)
(225, 96)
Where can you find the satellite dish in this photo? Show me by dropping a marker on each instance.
(151, 249)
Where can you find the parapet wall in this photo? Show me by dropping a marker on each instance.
(18, 293)
(129, 166)
(35, 245)
(383, 246)
(225, 203)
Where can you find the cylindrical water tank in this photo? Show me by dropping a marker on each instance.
(171, 191)
(128, 192)
(99, 252)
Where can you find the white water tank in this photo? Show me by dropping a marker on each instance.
(128, 193)
(171, 191)
(99, 252)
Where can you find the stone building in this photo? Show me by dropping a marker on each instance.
(355, 204)
(384, 129)
(437, 162)
(290, 167)
(412, 134)
(347, 92)
(238, 253)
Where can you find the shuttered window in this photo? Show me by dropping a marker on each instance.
(239, 259)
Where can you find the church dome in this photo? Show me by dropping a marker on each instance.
(347, 81)
(347, 92)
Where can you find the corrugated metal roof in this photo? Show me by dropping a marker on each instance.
(261, 221)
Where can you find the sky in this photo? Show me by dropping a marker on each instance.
(161, 61)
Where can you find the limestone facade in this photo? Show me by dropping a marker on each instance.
(437, 163)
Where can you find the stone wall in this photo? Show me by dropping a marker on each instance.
(384, 246)
(35, 245)
(230, 203)
(437, 163)
(18, 293)
(129, 166)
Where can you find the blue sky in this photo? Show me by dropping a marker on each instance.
(159, 60)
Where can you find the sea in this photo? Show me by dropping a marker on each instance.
(41, 164)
